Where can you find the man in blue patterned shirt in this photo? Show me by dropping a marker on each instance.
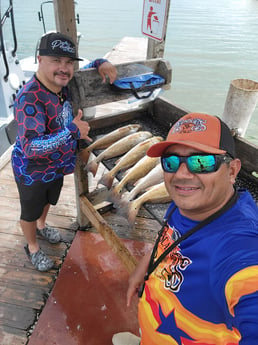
(45, 148)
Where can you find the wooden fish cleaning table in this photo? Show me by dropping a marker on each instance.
(88, 90)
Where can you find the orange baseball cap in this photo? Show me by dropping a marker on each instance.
(203, 132)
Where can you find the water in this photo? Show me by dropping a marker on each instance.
(208, 43)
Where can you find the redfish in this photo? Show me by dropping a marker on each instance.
(117, 149)
(156, 194)
(108, 139)
(139, 170)
(129, 159)
(154, 177)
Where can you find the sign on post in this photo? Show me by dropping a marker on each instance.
(154, 18)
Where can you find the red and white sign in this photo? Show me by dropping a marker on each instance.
(154, 18)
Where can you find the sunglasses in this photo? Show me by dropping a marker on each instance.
(196, 164)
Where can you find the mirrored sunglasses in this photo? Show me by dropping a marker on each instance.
(196, 164)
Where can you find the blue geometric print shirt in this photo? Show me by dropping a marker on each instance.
(46, 139)
(46, 142)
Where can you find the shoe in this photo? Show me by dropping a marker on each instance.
(125, 338)
(50, 234)
(39, 260)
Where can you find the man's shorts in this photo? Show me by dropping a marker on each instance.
(33, 199)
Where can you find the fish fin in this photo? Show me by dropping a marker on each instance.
(107, 180)
(92, 166)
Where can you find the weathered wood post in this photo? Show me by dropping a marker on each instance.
(65, 23)
(65, 20)
(155, 48)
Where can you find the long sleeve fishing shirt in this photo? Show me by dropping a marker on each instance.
(46, 142)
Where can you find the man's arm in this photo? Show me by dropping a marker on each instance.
(137, 277)
(105, 69)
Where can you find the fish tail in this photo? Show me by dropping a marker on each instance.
(115, 195)
(132, 210)
(85, 155)
(92, 166)
(107, 180)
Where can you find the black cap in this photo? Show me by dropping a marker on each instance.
(57, 44)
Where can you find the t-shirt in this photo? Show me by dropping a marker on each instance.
(206, 290)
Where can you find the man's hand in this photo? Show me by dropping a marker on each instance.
(106, 69)
(137, 278)
(83, 126)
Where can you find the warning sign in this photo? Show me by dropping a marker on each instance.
(154, 18)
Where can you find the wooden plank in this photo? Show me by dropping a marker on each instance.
(12, 336)
(87, 88)
(16, 316)
(108, 234)
(20, 295)
(248, 154)
(26, 277)
(114, 119)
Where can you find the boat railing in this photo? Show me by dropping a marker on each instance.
(7, 14)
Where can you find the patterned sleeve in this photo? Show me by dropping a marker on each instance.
(33, 124)
(95, 64)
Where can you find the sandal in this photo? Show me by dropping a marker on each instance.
(50, 234)
(39, 260)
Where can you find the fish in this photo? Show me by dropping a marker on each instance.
(139, 170)
(154, 177)
(156, 194)
(108, 139)
(129, 159)
(117, 149)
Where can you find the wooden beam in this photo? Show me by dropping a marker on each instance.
(155, 48)
(65, 20)
(108, 234)
(87, 88)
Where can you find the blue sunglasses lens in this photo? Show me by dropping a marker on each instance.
(201, 164)
(197, 164)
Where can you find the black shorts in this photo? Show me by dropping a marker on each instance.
(33, 199)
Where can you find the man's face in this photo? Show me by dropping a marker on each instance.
(55, 72)
(199, 195)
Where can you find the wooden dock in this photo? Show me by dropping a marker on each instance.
(23, 290)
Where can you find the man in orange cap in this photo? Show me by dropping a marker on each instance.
(200, 283)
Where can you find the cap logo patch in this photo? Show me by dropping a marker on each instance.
(190, 125)
(63, 45)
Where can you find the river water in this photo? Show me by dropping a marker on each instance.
(208, 43)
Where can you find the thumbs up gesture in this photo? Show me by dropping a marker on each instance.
(83, 126)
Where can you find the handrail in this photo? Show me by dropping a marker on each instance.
(8, 13)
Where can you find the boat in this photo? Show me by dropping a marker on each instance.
(11, 80)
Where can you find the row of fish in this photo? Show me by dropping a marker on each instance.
(145, 173)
